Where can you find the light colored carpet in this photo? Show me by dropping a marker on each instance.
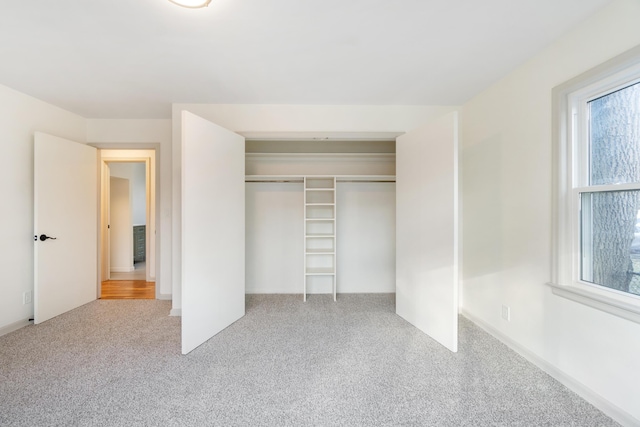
(286, 363)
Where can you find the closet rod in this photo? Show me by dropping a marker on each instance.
(339, 178)
(275, 180)
(365, 180)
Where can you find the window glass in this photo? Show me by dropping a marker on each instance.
(614, 137)
(610, 239)
(597, 177)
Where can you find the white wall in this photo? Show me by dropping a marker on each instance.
(260, 120)
(20, 116)
(507, 196)
(121, 227)
(139, 194)
(275, 238)
(366, 238)
(135, 173)
(136, 134)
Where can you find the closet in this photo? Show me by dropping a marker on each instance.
(320, 217)
(242, 213)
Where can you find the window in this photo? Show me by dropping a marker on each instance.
(610, 255)
(597, 176)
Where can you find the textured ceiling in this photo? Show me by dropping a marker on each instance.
(133, 58)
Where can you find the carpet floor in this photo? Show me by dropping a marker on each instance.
(286, 363)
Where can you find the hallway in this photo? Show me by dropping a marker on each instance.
(129, 285)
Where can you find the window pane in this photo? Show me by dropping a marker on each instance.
(610, 239)
(614, 137)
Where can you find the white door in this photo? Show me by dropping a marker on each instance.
(212, 229)
(105, 223)
(427, 229)
(65, 209)
(120, 226)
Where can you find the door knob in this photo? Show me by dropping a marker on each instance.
(44, 237)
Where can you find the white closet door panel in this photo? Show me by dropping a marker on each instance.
(65, 207)
(427, 229)
(213, 230)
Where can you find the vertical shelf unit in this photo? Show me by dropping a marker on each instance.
(319, 229)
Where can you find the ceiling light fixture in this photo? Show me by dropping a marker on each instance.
(192, 4)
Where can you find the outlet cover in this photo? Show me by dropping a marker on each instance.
(506, 313)
(27, 297)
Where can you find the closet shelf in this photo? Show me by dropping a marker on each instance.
(320, 251)
(319, 272)
(339, 178)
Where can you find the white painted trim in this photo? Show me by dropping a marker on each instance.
(14, 326)
(595, 300)
(153, 184)
(604, 405)
(314, 136)
(175, 312)
(565, 259)
(282, 291)
(164, 297)
(274, 292)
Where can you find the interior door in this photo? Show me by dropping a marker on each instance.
(213, 228)
(427, 229)
(105, 223)
(65, 209)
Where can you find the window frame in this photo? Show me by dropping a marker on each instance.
(571, 178)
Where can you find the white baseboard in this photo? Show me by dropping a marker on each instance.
(14, 327)
(164, 297)
(122, 269)
(176, 312)
(611, 410)
(282, 291)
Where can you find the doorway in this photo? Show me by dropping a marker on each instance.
(127, 218)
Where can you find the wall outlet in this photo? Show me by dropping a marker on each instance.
(506, 313)
(27, 297)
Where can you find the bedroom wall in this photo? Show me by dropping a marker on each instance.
(20, 116)
(507, 217)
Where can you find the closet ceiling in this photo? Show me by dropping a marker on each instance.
(133, 58)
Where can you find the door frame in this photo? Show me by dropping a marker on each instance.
(106, 214)
(131, 153)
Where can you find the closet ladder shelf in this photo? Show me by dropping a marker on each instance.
(320, 224)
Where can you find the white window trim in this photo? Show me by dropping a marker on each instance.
(565, 264)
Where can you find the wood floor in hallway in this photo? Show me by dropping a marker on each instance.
(128, 289)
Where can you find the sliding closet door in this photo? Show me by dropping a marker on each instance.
(427, 229)
(212, 229)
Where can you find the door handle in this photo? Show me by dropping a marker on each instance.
(44, 237)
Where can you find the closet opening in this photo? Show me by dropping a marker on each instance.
(320, 217)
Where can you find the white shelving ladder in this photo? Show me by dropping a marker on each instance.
(320, 229)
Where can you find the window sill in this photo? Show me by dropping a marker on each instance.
(601, 302)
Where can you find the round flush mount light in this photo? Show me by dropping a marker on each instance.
(192, 4)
